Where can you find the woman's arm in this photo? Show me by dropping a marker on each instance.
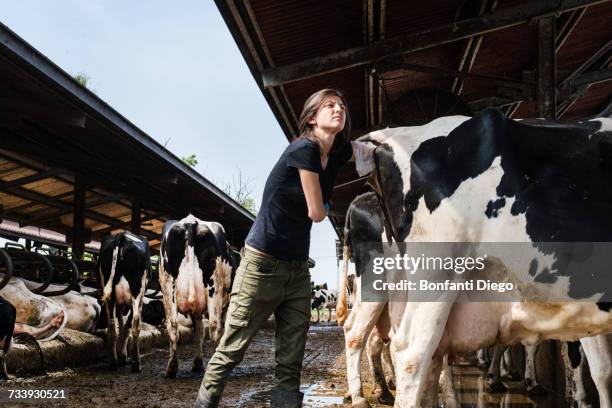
(314, 197)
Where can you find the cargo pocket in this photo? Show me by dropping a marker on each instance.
(239, 317)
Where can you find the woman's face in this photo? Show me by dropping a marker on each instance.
(331, 115)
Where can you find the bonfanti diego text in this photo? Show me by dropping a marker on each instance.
(447, 285)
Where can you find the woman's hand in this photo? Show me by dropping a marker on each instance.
(314, 197)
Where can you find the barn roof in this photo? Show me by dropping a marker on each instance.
(65, 152)
(405, 63)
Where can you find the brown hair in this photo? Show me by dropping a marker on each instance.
(311, 106)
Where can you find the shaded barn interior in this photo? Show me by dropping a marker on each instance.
(403, 63)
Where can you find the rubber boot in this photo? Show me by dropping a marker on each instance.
(206, 400)
(280, 398)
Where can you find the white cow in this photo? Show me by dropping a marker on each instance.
(82, 310)
(34, 310)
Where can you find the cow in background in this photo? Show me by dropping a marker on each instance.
(195, 275)
(323, 299)
(368, 322)
(82, 311)
(41, 317)
(124, 268)
(8, 314)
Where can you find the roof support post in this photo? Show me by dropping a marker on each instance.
(546, 68)
(135, 220)
(78, 220)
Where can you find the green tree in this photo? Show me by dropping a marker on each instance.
(82, 79)
(190, 160)
(240, 190)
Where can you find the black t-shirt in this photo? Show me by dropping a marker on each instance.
(282, 226)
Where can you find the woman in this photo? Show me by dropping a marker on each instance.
(273, 275)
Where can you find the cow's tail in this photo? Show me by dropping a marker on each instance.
(342, 308)
(191, 298)
(108, 288)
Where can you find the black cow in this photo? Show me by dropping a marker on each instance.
(195, 276)
(124, 268)
(8, 314)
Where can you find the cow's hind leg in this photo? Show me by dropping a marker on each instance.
(356, 331)
(494, 374)
(447, 388)
(531, 380)
(413, 347)
(123, 337)
(112, 333)
(430, 396)
(171, 323)
(374, 349)
(597, 350)
(198, 361)
(387, 363)
(4, 375)
(137, 313)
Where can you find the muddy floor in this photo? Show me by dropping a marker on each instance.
(323, 380)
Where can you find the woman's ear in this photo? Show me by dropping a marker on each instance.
(312, 121)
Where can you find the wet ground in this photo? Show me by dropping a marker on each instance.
(323, 379)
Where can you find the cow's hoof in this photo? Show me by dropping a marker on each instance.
(6, 377)
(121, 360)
(361, 403)
(171, 369)
(385, 397)
(347, 398)
(136, 368)
(198, 365)
(535, 390)
(497, 386)
(391, 384)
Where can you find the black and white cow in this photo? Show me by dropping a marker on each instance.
(8, 314)
(364, 327)
(124, 268)
(597, 352)
(491, 179)
(323, 299)
(195, 275)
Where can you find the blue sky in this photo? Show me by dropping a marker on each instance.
(173, 70)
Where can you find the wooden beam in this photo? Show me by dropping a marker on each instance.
(546, 68)
(45, 215)
(571, 20)
(525, 87)
(587, 64)
(78, 219)
(34, 203)
(471, 48)
(135, 218)
(5, 185)
(124, 224)
(575, 86)
(433, 37)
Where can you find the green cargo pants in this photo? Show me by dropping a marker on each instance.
(264, 285)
